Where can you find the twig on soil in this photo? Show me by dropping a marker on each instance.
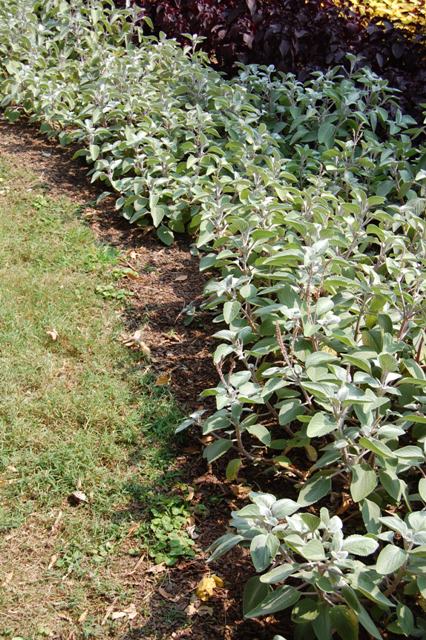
(109, 611)
(137, 565)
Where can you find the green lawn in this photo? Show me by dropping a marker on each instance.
(77, 412)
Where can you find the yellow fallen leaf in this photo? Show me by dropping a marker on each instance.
(163, 379)
(191, 494)
(132, 274)
(207, 586)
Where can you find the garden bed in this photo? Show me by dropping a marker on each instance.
(306, 205)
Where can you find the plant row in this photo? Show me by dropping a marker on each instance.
(302, 35)
(307, 202)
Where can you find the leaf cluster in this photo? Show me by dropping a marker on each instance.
(408, 15)
(319, 570)
(164, 533)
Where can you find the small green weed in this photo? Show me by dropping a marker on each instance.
(124, 272)
(111, 292)
(103, 257)
(165, 536)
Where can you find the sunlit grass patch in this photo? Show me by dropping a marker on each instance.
(78, 412)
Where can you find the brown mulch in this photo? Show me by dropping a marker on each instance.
(168, 280)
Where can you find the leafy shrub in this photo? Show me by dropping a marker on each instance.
(307, 201)
(408, 15)
(325, 568)
(298, 36)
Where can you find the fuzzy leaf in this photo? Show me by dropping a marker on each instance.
(364, 481)
(390, 559)
(216, 449)
(360, 545)
(279, 600)
(314, 490)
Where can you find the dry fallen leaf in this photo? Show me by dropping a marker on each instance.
(77, 497)
(163, 379)
(207, 586)
(204, 610)
(131, 612)
(133, 528)
(192, 450)
(207, 478)
(84, 615)
(181, 278)
(109, 612)
(193, 607)
(137, 565)
(7, 578)
(117, 615)
(167, 595)
(64, 616)
(55, 525)
(346, 503)
(239, 490)
(192, 533)
(136, 340)
(157, 568)
(53, 561)
(196, 607)
(53, 334)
